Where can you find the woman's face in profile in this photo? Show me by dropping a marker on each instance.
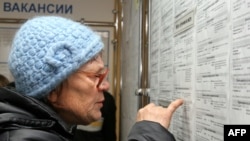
(79, 100)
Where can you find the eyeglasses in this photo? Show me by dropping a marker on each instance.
(101, 76)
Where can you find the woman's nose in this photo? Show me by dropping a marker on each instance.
(104, 86)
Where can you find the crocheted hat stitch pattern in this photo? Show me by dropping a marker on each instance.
(46, 50)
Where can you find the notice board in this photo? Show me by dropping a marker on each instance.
(200, 51)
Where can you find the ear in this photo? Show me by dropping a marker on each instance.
(53, 96)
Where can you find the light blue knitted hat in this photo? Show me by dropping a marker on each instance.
(46, 50)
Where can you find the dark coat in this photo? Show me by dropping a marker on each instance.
(149, 131)
(24, 118)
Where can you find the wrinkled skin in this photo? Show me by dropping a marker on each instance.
(79, 100)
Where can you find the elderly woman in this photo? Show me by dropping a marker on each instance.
(59, 82)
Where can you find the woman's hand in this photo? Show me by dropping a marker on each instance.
(159, 114)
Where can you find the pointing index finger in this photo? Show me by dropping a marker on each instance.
(174, 105)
